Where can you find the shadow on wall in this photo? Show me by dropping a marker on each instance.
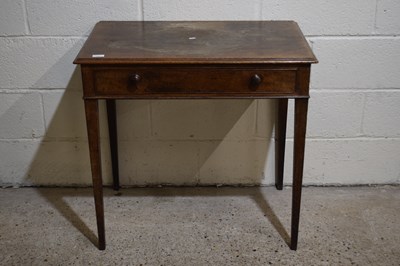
(61, 157)
(179, 142)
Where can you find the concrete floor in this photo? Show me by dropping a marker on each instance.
(201, 226)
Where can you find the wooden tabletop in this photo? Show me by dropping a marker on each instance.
(214, 42)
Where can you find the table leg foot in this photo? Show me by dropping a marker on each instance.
(102, 245)
(293, 245)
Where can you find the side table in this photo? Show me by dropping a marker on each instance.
(196, 60)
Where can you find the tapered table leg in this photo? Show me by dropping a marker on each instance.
(280, 140)
(300, 124)
(92, 123)
(112, 132)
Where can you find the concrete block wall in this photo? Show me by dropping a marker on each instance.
(354, 114)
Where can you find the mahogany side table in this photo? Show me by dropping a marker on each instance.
(196, 60)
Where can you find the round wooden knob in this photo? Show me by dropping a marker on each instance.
(134, 78)
(133, 81)
(255, 81)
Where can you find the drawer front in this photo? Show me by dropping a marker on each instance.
(192, 81)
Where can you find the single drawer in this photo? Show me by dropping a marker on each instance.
(193, 81)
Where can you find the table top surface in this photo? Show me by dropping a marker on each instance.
(201, 42)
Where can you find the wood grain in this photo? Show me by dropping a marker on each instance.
(180, 42)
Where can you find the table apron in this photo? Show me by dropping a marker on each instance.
(195, 82)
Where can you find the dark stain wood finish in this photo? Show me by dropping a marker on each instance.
(93, 129)
(196, 60)
(192, 81)
(112, 133)
(300, 124)
(280, 141)
(182, 42)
